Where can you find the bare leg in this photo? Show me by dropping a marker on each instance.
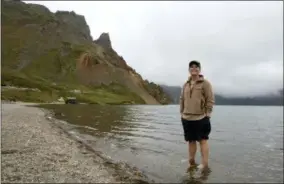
(192, 148)
(204, 148)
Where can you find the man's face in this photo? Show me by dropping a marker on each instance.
(194, 70)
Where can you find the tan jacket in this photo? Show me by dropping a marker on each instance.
(198, 101)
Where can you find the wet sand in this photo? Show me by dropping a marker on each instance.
(35, 149)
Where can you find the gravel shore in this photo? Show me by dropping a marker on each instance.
(34, 150)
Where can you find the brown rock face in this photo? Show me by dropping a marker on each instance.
(104, 41)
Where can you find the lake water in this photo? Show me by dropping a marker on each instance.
(246, 142)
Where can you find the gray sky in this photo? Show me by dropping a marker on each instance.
(239, 44)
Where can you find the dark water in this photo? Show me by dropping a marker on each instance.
(246, 142)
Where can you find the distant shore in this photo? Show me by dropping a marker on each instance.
(35, 149)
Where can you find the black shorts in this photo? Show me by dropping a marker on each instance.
(196, 130)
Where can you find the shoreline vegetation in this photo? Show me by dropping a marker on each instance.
(20, 87)
(36, 149)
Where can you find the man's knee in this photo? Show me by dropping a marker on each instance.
(203, 142)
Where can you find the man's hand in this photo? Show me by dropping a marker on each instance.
(207, 118)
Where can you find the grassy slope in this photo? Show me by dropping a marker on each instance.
(49, 92)
(37, 53)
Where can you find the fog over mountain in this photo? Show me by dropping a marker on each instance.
(269, 99)
(240, 44)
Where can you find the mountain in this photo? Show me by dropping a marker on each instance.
(48, 55)
(174, 93)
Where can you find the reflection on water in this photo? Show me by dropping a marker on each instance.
(193, 178)
(102, 118)
(246, 142)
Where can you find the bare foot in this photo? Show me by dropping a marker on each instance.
(192, 163)
(203, 168)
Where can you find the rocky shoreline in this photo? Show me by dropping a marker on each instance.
(35, 149)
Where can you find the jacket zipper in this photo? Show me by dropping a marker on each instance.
(190, 90)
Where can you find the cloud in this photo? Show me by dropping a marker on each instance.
(239, 44)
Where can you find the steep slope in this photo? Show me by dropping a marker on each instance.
(158, 92)
(55, 53)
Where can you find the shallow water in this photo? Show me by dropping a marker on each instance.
(246, 142)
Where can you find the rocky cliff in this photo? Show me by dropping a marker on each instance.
(55, 53)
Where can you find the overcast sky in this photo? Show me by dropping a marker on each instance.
(239, 44)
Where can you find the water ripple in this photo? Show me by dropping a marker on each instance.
(247, 139)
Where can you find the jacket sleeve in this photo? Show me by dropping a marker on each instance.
(181, 100)
(209, 98)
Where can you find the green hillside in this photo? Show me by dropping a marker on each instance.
(48, 55)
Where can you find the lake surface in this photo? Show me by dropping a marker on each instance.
(246, 142)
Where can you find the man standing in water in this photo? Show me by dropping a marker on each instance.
(196, 105)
